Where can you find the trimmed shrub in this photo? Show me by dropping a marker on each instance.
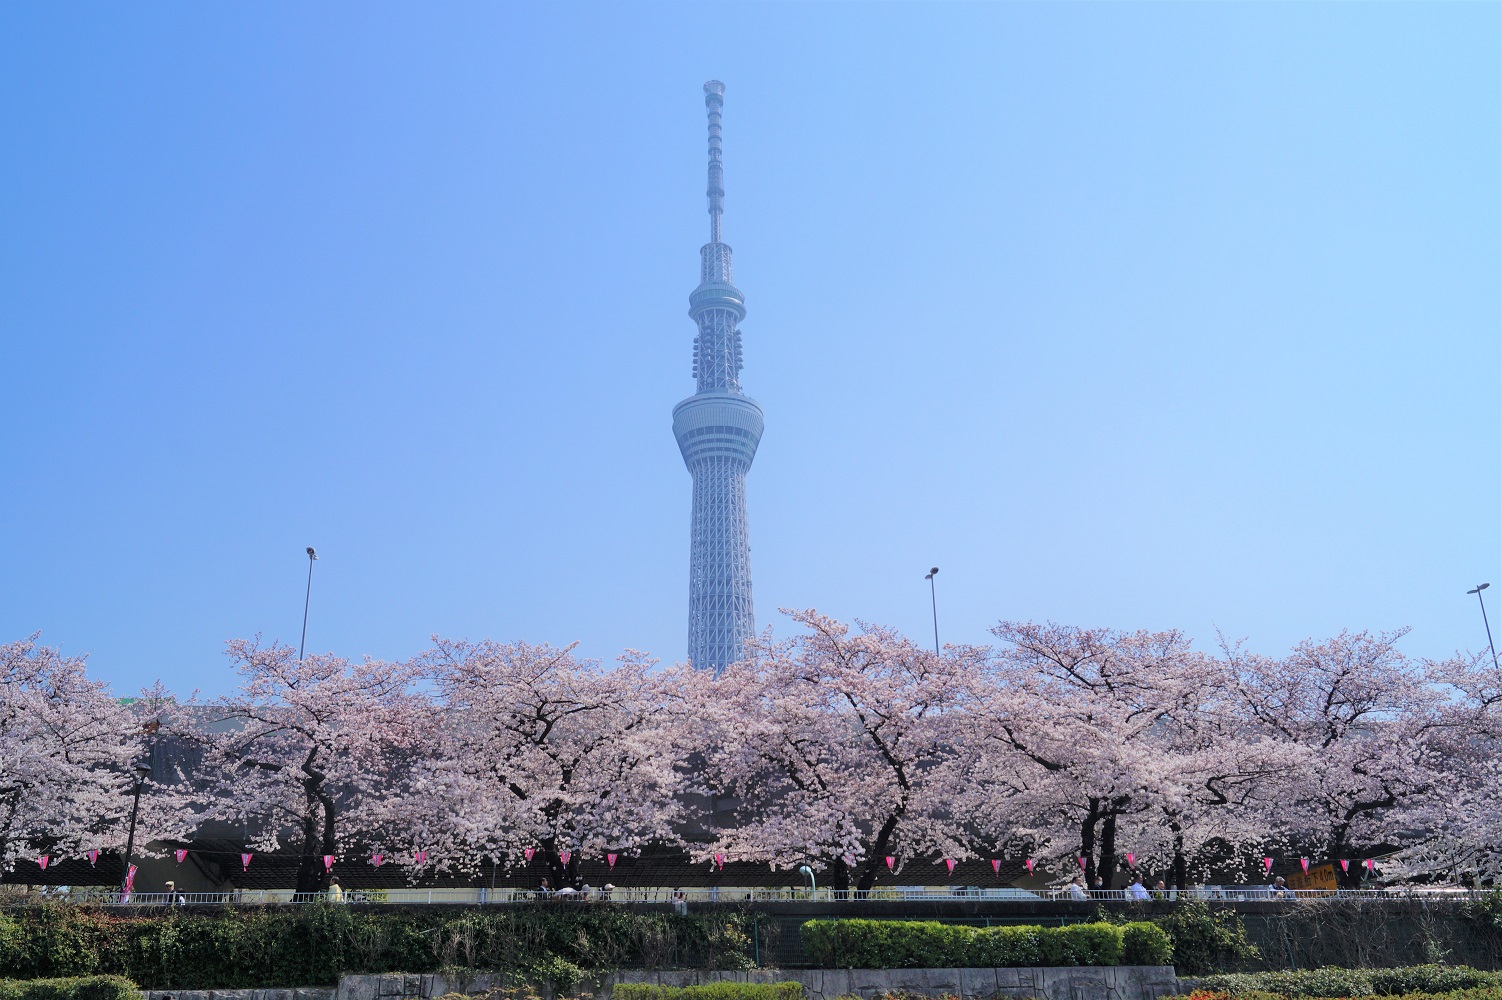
(1092, 944)
(76, 988)
(710, 991)
(1007, 947)
(1415, 980)
(903, 944)
(1145, 943)
(1431, 979)
(1480, 993)
(1327, 982)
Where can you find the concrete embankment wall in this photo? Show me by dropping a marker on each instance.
(1107, 983)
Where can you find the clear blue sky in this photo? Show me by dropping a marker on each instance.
(1177, 315)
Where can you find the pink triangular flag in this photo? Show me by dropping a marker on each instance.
(245, 862)
(1267, 864)
(421, 857)
(1081, 861)
(378, 859)
(180, 854)
(1131, 860)
(891, 860)
(328, 863)
(610, 859)
(1029, 863)
(719, 861)
(563, 857)
(1345, 865)
(1304, 864)
(527, 852)
(93, 857)
(996, 866)
(1371, 865)
(949, 863)
(42, 861)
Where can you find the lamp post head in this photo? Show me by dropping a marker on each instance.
(311, 553)
(931, 573)
(1479, 588)
(143, 770)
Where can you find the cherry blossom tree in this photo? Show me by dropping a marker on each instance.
(66, 754)
(1361, 728)
(305, 744)
(544, 750)
(840, 749)
(1079, 726)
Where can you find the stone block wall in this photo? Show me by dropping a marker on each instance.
(1104, 983)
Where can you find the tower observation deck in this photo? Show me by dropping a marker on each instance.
(718, 429)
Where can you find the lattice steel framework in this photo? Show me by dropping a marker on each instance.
(718, 430)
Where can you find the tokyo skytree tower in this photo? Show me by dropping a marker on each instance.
(718, 430)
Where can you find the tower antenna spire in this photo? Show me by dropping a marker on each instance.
(714, 99)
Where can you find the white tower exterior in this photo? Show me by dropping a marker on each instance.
(718, 430)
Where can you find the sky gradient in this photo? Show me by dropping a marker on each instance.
(1148, 316)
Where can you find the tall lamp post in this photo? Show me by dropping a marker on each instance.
(934, 600)
(308, 597)
(1479, 588)
(143, 771)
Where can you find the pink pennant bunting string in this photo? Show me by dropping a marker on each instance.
(42, 861)
(1081, 861)
(245, 862)
(563, 857)
(1267, 864)
(996, 866)
(93, 857)
(420, 857)
(891, 861)
(1345, 864)
(528, 852)
(949, 863)
(719, 861)
(378, 859)
(1304, 864)
(328, 863)
(610, 859)
(1029, 864)
(1131, 860)
(180, 854)
(1371, 865)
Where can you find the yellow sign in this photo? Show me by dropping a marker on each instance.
(1320, 877)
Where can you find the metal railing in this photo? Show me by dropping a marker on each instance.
(701, 895)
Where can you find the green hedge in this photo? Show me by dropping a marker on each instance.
(906, 944)
(710, 991)
(1332, 982)
(1145, 943)
(1479, 993)
(75, 988)
(313, 944)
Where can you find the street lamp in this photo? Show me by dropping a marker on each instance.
(934, 600)
(143, 771)
(312, 557)
(806, 870)
(1479, 588)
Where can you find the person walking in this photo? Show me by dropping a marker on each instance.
(1137, 890)
(336, 891)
